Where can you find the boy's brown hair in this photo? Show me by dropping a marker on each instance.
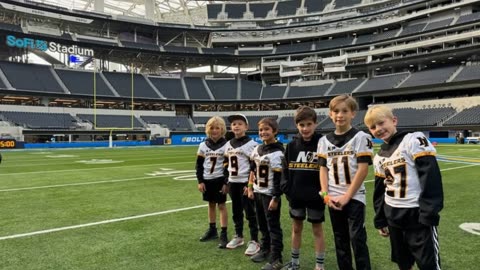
(349, 100)
(305, 113)
(269, 122)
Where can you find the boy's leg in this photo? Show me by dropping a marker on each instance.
(401, 254)
(249, 207)
(236, 194)
(342, 238)
(209, 196)
(276, 234)
(222, 208)
(358, 234)
(262, 210)
(316, 216)
(424, 245)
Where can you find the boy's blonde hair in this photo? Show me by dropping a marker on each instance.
(215, 121)
(377, 113)
(349, 100)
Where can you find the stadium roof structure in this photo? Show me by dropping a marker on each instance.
(171, 11)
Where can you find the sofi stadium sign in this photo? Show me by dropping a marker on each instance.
(43, 45)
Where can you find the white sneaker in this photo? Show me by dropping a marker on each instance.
(252, 248)
(235, 242)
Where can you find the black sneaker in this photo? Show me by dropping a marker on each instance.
(223, 240)
(260, 256)
(275, 265)
(210, 234)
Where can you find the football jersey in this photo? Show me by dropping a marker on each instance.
(238, 152)
(214, 155)
(341, 155)
(402, 184)
(267, 161)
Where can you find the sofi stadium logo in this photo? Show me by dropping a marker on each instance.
(43, 45)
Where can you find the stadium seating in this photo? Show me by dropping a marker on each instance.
(438, 24)
(430, 117)
(174, 123)
(250, 90)
(218, 51)
(179, 49)
(468, 73)
(345, 87)
(111, 121)
(337, 42)
(273, 92)
(223, 89)
(382, 82)
(432, 76)
(40, 78)
(308, 91)
(196, 89)
(260, 10)
(36, 120)
(169, 88)
(235, 11)
(213, 10)
(468, 18)
(412, 29)
(82, 83)
(346, 3)
(288, 8)
(122, 82)
(294, 48)
(314, 6)
(467, 117)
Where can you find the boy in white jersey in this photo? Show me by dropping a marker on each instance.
(408, 191)
(238, 151)
(264, 187)
(212, 182)
(344, 156)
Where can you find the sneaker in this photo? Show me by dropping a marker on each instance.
(210, 234)
(260, 256)
(252, 248)
(235, 242)
(223, 240)
(275, 265)
(291, 266)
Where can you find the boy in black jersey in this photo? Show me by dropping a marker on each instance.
(212, 183)
(301, 186)
(344, 156)
(408, 191)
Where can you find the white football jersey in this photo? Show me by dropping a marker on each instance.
(266, 165)
(342, 161)
(213, 164)
(402, 185)
(239, 161)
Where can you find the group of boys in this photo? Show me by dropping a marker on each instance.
(314, 171)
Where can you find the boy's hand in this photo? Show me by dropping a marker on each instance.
(384, 232)
(201, 187)
(224, 189)
(250, 193)
(273, 205)
(334, 203)
(341, 201)
(245, 191)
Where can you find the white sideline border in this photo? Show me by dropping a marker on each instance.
(21, 235)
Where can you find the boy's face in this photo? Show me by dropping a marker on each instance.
(306, 128)
(342, 116)
(266, 133)
(215, 132)
(239, 127)
(384, 128)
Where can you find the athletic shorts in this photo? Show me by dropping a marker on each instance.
(313, 211)
(418, 245)
(213, 192)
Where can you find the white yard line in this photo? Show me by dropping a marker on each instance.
(134, 217)
(91, 169)
(99, 222)
(82, 183)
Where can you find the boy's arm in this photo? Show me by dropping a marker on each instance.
(431, 197)
(199, 168)
(360, 175)
(380, 221)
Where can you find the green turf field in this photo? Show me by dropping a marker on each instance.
(138, 208)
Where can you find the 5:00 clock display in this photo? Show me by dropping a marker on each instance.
(8, 143)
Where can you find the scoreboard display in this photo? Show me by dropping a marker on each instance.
(8, 143)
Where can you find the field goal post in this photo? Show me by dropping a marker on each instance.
(112, 129)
